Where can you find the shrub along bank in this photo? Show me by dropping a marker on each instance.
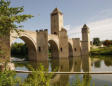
(101, 51)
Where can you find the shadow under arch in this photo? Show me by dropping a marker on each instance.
(31, 47)
(53, 49)
(70, 49)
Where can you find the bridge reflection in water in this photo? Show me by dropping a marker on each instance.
(75, 64)
(72, 64)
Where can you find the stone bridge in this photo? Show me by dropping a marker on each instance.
(57, 42)
(39, 42)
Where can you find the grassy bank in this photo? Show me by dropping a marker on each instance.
(101, 51)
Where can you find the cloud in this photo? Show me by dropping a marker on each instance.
(68, 27)
(100, 28)
(103, 14)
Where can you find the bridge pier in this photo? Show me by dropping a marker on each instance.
(42, 45)
(63, 44)
(76, 47)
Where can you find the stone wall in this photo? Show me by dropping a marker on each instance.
(76, 46)
(42, 45)
(63, 44)
(56, 21)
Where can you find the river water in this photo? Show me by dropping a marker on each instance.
(74, 64)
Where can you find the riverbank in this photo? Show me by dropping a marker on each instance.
(101, 51)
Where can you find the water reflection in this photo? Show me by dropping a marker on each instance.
(61, 79)
(86, 63)
(86, 67)
(108, 61)
(97, 64)
(74, 64)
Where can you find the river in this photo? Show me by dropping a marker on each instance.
(74, 64)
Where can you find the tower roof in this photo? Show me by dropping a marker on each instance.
(56, 10)
(85, 28)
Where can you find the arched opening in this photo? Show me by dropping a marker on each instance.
(53, 49)
(70, 50)
(53, 53)
(26, 47)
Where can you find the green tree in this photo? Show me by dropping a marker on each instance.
(107, 42)
(96, 41)
(19, 50)
(10, 18)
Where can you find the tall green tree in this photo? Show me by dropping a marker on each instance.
(10, 18)
(96, 41)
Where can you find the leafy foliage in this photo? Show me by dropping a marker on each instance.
(102, 51)
(96, 41)
(7, 78)
(10, 16)
(37, 78)
(19, 50)
(107, 43)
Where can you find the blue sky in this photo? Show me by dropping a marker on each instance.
(97, 14)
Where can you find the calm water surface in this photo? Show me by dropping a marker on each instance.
(74, 64)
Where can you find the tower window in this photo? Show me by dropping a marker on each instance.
(55, 33)
(39, 49)
(75, 49)
(61, 49)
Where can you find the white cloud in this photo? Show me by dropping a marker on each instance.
(67, 27)
(103, 14)
(99, 28)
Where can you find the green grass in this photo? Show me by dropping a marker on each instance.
(101, 51)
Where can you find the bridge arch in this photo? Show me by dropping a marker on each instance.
(53, 44)
(53, 48)
(29, 42)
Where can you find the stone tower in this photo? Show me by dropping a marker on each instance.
(85, 40)
(56, 21)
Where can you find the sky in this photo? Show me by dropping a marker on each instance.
(97, 14)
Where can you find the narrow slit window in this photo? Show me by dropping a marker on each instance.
(61, 49)
(75, 49)
(39, 49)
(55, 33)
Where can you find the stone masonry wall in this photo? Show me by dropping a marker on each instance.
(42, 45)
